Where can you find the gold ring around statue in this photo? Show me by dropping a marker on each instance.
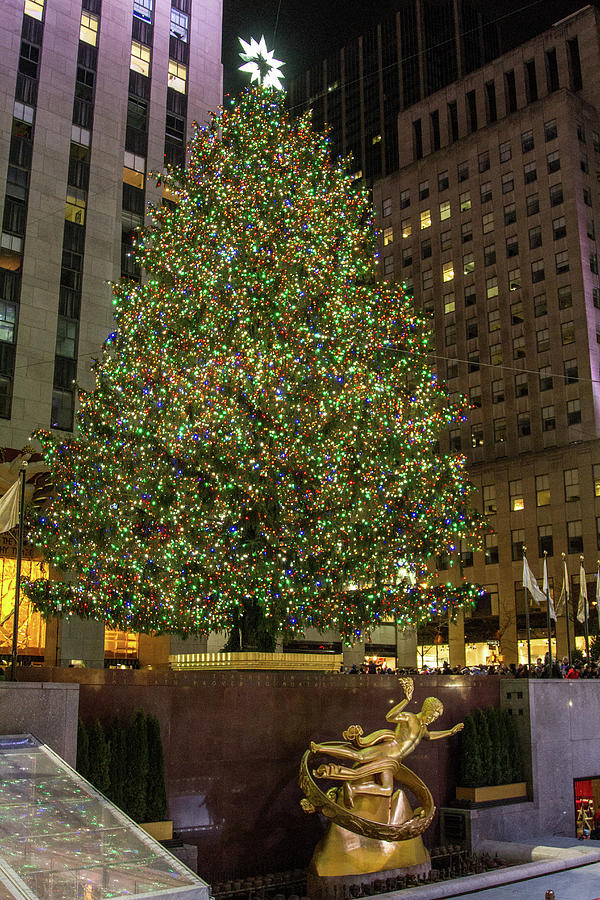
(345, 818)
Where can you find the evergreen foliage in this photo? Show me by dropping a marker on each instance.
(490, 749)
(156, 795)
(485, 745)
(260, 451)
(137, 767)
(118, 761)
(98, 756)
(471, 771)
(83, 748)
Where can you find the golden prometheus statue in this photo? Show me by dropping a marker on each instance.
(373, 827)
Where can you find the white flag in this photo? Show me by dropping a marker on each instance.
(582, 609)
(546, 586)
(564, 599)
(531, 584)
(9, 507)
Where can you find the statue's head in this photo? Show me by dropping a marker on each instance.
(432, 709)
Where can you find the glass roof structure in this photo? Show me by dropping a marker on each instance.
(62, 840)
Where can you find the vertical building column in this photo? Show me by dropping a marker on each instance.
(355, 655)
(456, 640)
(406, 648)
(562, 644)
(153, 651)
(81, 639)
(507, 621)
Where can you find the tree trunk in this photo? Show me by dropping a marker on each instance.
(251, 629)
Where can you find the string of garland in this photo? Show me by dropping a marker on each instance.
(250, 436)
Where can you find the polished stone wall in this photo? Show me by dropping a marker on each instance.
(233, 742)
(46, 710)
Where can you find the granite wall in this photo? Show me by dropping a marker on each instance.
(233, 742)
(46, 710)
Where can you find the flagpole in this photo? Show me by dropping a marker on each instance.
(15, 635)
(548, 622)
(585, 610)
(527, 623)
(567, 586)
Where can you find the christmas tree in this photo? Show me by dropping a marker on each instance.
(260, 451)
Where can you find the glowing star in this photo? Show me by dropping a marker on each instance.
(260, 63)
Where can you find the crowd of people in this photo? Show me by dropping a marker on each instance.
(542, 668)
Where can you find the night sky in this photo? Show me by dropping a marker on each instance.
(309, 30)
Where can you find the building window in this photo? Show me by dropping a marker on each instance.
(470, 295)
(471, 329)
(510, 214)
(594, 263)
(565, 297)
(512, 246)
(542, 490)
(388, 236)
(533, 204)
(496, 357)
(179, 25)
(485, 191)
(519, 347)
(550, 130)
(494, 320)
(574, 412)
(140, 58)
(446, 240)
(466, 232)
(475, 396)
(491, 549)
(450, 334)
(527, 143)
(386, 206)
(548, 419)
(34, 9)
(571, 482)
(8, 319)
(553, 162)
(517, 540)
(473, 361)
(483, 161)
(562, 261)
(142, 9)
(427, 279)
(556, 194)
(448, 271)
(537, 271)
(545, 542)
(406, 228)
(454, 441)
(489, 499)
(515, 492)
(516, 313)
(177, 76)
(423, 190)
(444, 210)
(425, 219)
(62, 410)
(477, 435)
(505, 152)
(514, 279)
(388, 265)
(508, 183)
(426, 249)
(587, 196)
(530, 173)
(88, 30)
(464, 200)
(451, 369)
(498, 391)
(540, 305)
(75, 206)
(574, 537)
(545, 376)
(406, 257)
(571, 371)
(596, 477)
(523, 424)
(535, 237)
(443, 181)
(542, 339)
(404, 202)
(567, 332)
(491, 287)
(521, 384)
(468, 263)
(449, 303)
(487, 223)
(559, 228)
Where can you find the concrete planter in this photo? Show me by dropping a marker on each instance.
(160, 831)
(493, 793)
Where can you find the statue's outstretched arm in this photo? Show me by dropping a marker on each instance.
(437, 735)
(394, 715)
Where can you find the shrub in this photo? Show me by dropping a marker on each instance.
(99, 758)
(83, 749)
(156, 795)
(485, 744)
(136, 767)
(471, 771)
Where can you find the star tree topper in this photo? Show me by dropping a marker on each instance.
(260, 63)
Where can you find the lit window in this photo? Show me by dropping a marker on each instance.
(177, 76)
(448, 271)
(140, 58)
(494, 320)
(596, 473)
(465, 201)
(406, 228)
(388, 236)
(35, 9)
(88, 31)
(444, 210)
(514, 279)
(496, 356)
(500, 431)
(135, 179)
(468, 263)
(491, 287)
(75, 208)
(542, 490)
(449, 303)
(180, 25)
(515, 490)
(425, 218)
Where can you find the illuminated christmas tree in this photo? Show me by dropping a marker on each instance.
(260, 451)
